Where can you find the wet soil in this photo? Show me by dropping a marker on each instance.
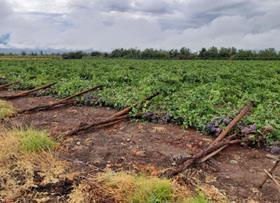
(146, 147)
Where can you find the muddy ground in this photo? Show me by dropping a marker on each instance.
(146, 147)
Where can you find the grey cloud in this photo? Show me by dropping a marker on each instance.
(198, 13)
(109, 24)
(5, 9)
(156, 7)
(101, 5)
(121, 6)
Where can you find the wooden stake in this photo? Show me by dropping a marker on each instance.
(270, 171)
(215, 147)
(121, 115)
(244, 111)
(218, 150)
(26, 93)
(2, 87)
(274, 157)
(60, 102)
(194, 159)
(273, 179)
(96, 124)
(128, 109)
(212, 154)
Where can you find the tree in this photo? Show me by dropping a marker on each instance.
(173, 53)
(212, 53)
(245, 55)
(96, 53)
(224, 53)
(268, 54)
(185, 53)
(202, 53)
(73, 55)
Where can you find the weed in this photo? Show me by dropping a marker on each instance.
(20, 170)
(199, 198)
(34, 140)
(139, 188)
(6, 109)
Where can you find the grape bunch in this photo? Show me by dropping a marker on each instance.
(215, 126)
(88, 99)
(3, 81)
(157, 118)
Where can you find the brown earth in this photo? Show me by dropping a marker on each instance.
(145, 147)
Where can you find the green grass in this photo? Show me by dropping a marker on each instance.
(131, 188)
(138, 189)
(152, 190)
(6, 109)
(199, 198)
(32, 140)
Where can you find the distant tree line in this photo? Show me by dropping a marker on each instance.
(181, 54)
(185, 54)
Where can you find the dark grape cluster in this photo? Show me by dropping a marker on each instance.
(215, 126)
(88, 99)
(157, 118)
(41, 93)
(246, 130)
(3, 81)
(274, 150)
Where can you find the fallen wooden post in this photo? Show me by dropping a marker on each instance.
(274, 157)
(220, 143)
(60, 102)
(195, 159)
(217, 151)
(128, 109)
(244, 111)
(2, 87)
(119, 116)
(96, 124)
(26, 93)
(269, 175)
(270, 171)
(213, 154)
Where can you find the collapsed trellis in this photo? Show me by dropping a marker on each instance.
(5, 86)
(115, 118)
(26, 93)
(62, 102)
(220, 143)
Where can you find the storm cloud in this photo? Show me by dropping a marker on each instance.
(105, 25)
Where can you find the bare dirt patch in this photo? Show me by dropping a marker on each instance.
(146, 147)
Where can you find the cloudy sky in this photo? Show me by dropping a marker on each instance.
(108, 24)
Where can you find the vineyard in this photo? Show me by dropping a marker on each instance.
(115, 130)
(198, 94)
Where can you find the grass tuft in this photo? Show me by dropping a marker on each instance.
(33, 140)
(199, 198)
(130, 188)
(6, 109)
(17, 168)
(152, 189)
